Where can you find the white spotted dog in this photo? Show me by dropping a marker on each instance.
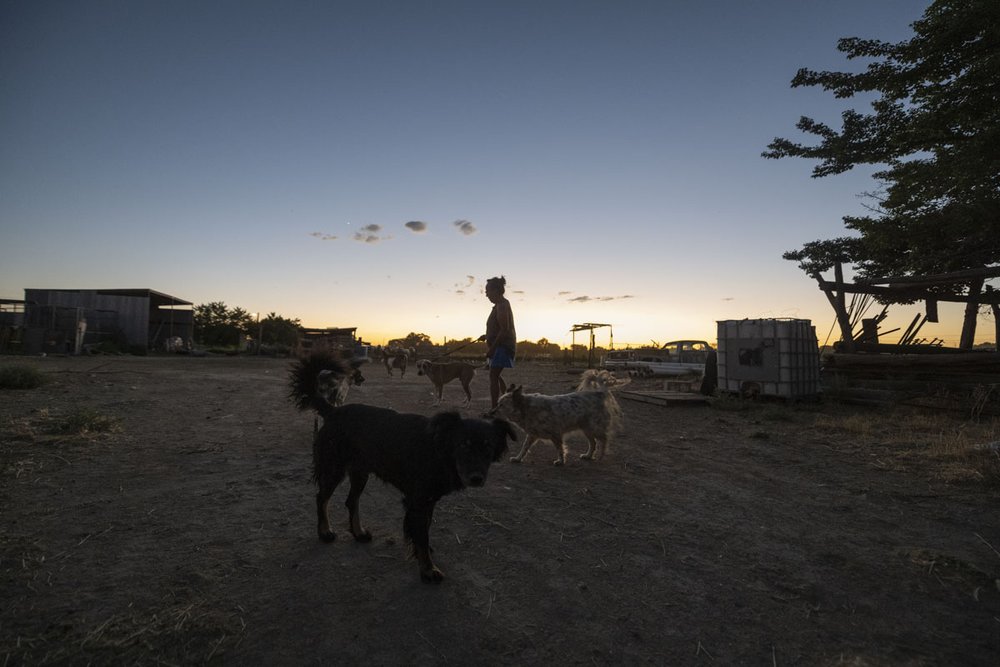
(595, 412)
(592, 379)
(441, 374)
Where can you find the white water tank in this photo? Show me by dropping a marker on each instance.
(769, 357)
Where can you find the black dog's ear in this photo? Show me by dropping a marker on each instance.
(442, 425)
(503, 430)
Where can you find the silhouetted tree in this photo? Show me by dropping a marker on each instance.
(216, 324)
(277, 330)
(935, 125)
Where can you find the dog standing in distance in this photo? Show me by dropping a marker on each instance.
(441, 374)
(425, 458)
(395, 359)
(544, 417)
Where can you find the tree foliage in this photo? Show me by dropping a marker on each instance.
(935, 126)
(217, 324)
(277, 330)
(413, 341)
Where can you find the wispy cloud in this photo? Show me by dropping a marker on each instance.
(373, 233)
(370, 234)
(465, 227)
(462, 288)
(585, 299)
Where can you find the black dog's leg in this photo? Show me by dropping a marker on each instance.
(358, 481)
(327, 485)
(416, 527)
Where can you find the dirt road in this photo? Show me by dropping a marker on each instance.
(765, 535)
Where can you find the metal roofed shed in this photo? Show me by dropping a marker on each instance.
(769, 357)
(129, 320)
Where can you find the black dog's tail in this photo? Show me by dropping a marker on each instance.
(303, 379)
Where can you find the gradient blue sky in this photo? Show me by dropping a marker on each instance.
(604, 156)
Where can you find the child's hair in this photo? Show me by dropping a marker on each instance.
(498, 282)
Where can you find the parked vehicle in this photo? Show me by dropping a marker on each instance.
(678, 357)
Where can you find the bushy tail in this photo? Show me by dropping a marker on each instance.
(303, 379)
(613, 417)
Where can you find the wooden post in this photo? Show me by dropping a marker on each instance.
(996, 325)
(996, 319)
(839, 307)
(971, 311)
(932, 311)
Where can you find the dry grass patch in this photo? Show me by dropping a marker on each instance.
(957, 450)
(43, 423)
(21, 377)
(42, 440)
(177, 633)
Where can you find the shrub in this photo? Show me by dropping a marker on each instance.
(87, 420)
(21, 377)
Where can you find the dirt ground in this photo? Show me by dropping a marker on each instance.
(763, 535)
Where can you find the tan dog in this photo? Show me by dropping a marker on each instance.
(443, 373)
(395, 359)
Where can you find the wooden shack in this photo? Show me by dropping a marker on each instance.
(330, 338)
(81, 320)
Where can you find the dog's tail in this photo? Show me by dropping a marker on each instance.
(614, 418)
(614, 410)
(303, 379)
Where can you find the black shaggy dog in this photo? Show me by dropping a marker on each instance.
(424, 457)
(323, 378)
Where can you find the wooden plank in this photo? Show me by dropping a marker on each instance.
(906, 294)
(665, 398)
(934, 280)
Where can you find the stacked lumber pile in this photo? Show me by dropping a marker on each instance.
(957, 380)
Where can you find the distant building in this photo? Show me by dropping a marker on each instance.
(11, 325)
(331, 338)
(128, 320)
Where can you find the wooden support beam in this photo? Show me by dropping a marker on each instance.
(932, 312)
(953, 277)
(839, 308)
(907, 294)
(968, 338)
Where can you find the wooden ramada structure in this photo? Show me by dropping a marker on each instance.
(909, 289)
(913, 370)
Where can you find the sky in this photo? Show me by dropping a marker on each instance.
(370, 164)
